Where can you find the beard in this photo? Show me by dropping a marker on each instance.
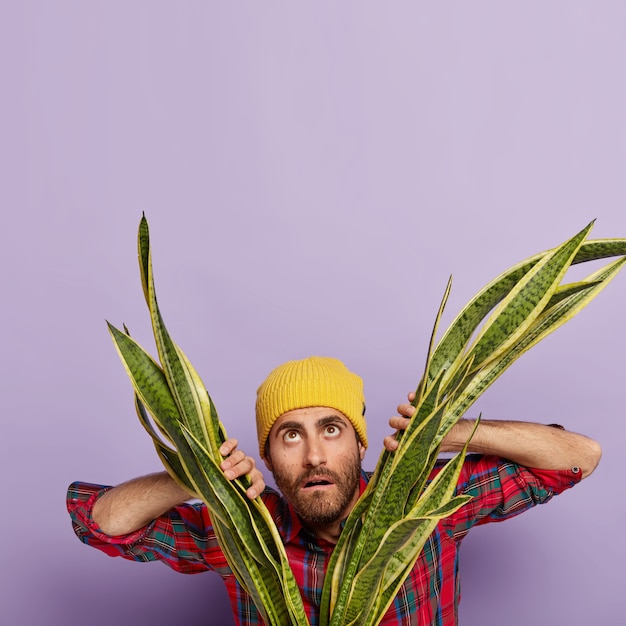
(322, 507)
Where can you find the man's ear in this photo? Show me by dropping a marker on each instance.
(361, 450)
(268, 462)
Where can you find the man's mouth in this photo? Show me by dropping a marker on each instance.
(313, 483)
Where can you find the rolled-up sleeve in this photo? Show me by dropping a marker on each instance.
(183, 539)
(501, 489)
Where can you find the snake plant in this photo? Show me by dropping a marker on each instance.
(389, 525)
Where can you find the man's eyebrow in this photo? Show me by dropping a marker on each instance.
(293, 425)
(330, 419)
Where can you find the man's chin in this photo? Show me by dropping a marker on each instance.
(321, 517)
(318, 509)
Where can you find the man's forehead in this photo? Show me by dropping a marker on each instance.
(309, 416)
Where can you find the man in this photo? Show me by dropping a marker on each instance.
(312, 437)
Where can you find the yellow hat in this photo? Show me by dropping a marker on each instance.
(316, 381)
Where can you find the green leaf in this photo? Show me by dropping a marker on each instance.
(467, 321)
(553, 318)
(148, 381)
(190, 400)
(525, 301)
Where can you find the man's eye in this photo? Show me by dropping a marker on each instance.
(332, 431)
(291, 435)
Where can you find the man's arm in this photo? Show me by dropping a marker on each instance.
(529, 444)
(133, 504)
(532, 445)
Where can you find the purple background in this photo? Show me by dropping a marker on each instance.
(312, 173)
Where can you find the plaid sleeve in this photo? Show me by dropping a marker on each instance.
(183, 538)
(501, 489)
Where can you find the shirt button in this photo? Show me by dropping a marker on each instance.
(575, 469)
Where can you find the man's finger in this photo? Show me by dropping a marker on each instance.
(406, 409)
(391, 443)
(258, 484)
(399, 423)
(228, 446)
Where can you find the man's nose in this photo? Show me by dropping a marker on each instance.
(315, 454)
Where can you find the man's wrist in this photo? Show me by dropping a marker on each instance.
(458, 436)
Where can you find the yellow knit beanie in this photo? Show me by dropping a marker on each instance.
(316, 381)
